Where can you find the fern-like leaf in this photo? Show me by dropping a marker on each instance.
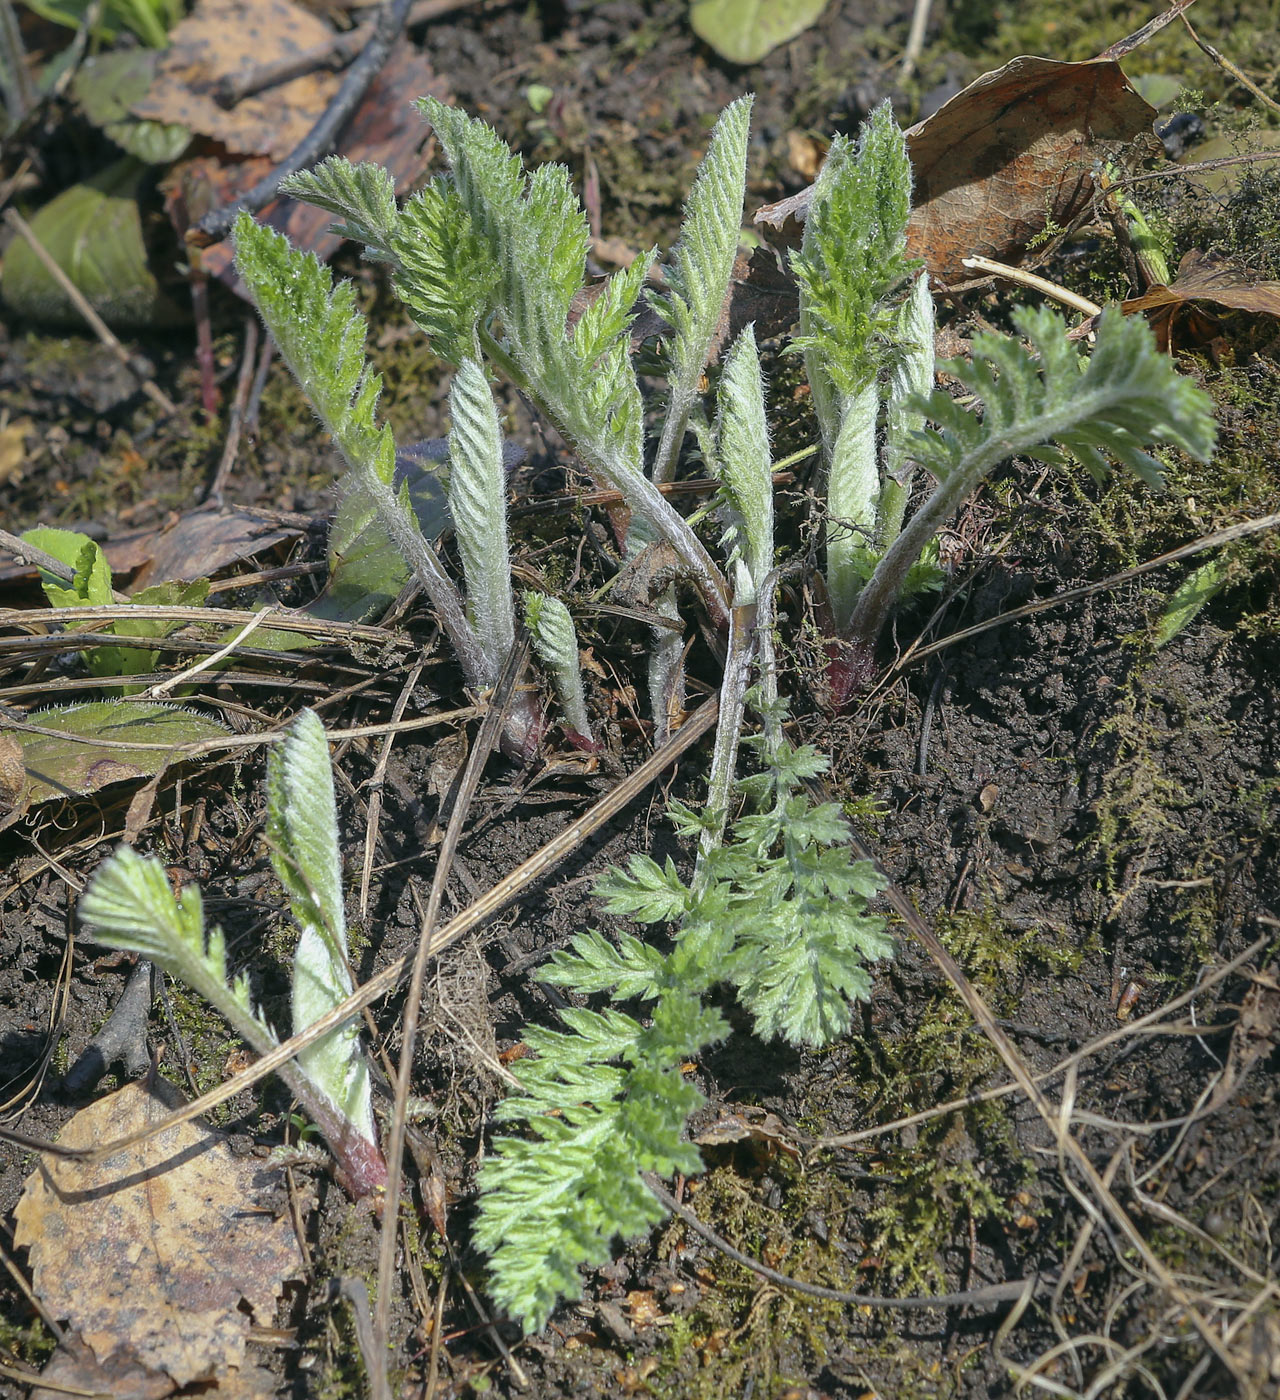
(445, 271)
(322, 336)
(362, 198)
(603, 1104)
(1036, 402)
(130, 905)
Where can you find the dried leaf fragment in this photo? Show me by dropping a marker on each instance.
(152, 1251)
(1003, 157)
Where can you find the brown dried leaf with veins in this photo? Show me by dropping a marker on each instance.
(218, 39)
(1003, 157)
(150, 1253)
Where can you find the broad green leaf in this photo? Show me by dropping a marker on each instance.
(744, 31)
(1188, 598)
(93, 231)
(92, 583)
(58, 766)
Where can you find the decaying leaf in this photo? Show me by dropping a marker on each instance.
(57, 766)
(384, 129)
(195, 545)
(217, 39)
(152, 1253)
(1011, 152)
(1203, 282)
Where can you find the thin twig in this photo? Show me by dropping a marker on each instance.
(319, 140)
(374, 785)
(232, 647)
(993, 1295)
(235, 419)
(1057, 1120)
(1038, 284)
(99, 327)
(1228, 535)
(915, 39)
(1227, 66)
(490, 730)
(1140, 36)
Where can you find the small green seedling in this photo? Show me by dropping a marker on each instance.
(92, 587)
(130, 905)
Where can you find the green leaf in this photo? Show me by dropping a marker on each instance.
(555, 1201)
(744, 31)
(302, 834)
(744, 463)
(555, 639)
(129, 904)
(322, 336)
(1188, 598)
(701, 266)
(362, 197)
(478, 504)
(58, 766)
(631, 968)
(92, 583)
(646, 891)
(853, 257)
(93, 231)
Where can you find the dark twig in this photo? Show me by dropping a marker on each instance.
(123, 1037)
(1152, 26)
(990, 1296)
(96, 323)
(235, 421)
(319, 140)
(334, 53)
(1227, 66)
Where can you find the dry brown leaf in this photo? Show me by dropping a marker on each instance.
(13, 448)
(1003, 157)
(1201, 282)
(384, 129)
(150, 1253)
(195, 545)
(218, 39)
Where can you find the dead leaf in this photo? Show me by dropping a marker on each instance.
(195, 545)
(761, 1130)
(13, 448)
(13, 772)
(220, 38)
(1002, 158)
(73, 1370)
(1203, 282)
(805, 153)
(150, 1254)
(384, 129)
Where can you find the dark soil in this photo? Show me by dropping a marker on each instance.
(1085, 819)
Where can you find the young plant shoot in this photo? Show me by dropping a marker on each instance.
(866, 344)
(779, 913)
(130, 905)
